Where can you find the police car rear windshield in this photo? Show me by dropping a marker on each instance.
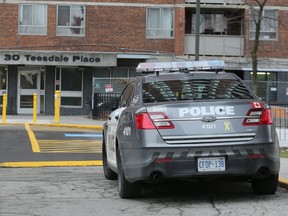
(194, 89)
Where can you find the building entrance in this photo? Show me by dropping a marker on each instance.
(28, 84)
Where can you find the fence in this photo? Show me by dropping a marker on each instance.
(106, 90)
(275, 93)
(280, 115)
(99, 98)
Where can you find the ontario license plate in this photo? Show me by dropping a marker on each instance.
(209, 164)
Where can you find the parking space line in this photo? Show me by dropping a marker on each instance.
(33, 140)
(82, 135)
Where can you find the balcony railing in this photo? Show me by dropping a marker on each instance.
(237, 2)
(218, 45)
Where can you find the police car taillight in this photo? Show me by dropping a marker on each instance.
(258, 117)
(153, 120)
(266, 117)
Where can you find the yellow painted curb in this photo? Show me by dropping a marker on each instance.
(97, 127)
(50, 164)
(283, 182)
(71, 125)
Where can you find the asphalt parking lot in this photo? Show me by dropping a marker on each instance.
(28, 145)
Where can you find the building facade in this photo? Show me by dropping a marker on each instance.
(87, 47)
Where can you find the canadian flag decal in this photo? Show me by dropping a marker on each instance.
(256, 105)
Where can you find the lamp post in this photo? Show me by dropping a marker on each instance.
(197, 38)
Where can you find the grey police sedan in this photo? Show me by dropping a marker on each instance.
(189, 120)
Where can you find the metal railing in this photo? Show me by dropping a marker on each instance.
(238, 2)
(281, 122)
(274, 92)
(103, 112)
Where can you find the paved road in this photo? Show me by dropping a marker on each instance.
(83, 191)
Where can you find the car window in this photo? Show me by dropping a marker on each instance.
(194, 89)
(126, 96)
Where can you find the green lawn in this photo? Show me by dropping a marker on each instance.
(284, 152)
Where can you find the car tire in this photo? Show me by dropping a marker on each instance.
(267, 185)
(126, 189)
(108, 172)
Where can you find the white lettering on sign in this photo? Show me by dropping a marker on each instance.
(211, 110)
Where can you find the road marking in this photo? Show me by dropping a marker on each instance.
(83, 135)
(51, 163)
(33, 140)
(70, 146)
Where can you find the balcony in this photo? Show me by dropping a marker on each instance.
(223, 2)
(216, 45)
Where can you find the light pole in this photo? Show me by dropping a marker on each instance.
(197, 38)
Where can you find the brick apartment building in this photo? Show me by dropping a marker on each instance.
(92, 46)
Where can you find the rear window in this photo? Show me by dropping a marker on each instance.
(194, 89)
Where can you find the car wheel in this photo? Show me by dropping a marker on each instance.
(267, 185)
(108, 172)
(126, 189)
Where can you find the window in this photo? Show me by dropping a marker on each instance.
(269, 25)
(194, 89)
(215, 22)
(126, 96)
(211, 23)
(70, 82)
(71, 20)
(32, 19)
(116, 77)
(160, 22)
(267, 83)
(3, 83)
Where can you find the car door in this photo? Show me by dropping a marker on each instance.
(112, 123)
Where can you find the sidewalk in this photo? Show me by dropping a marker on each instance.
(283, 175)
(73, 121)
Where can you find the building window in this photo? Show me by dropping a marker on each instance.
(113, 80)
(160, 23)
(211, 23)
(3, 83)
(267, 85)
(216, 23)
(70, 83)
(32, 19)
(71, 20)
(269, 25)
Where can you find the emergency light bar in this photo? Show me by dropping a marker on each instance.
(180, 66)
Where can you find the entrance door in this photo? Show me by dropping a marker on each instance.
(28, 84)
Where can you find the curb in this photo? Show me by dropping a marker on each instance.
(283, 182)
(38, 164)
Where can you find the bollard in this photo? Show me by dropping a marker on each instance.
(34, 107)
(4, 104)
(57, 107)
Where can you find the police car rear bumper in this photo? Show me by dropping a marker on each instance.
(157, 164)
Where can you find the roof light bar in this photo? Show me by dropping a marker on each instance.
(180, 66)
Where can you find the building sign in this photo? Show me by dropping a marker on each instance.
(57, 58)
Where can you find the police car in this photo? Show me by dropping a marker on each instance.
(189, 120)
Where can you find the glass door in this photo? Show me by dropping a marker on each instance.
(28, 84)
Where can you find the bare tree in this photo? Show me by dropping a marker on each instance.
(256, 7)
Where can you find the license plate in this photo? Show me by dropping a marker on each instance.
(209, 164)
